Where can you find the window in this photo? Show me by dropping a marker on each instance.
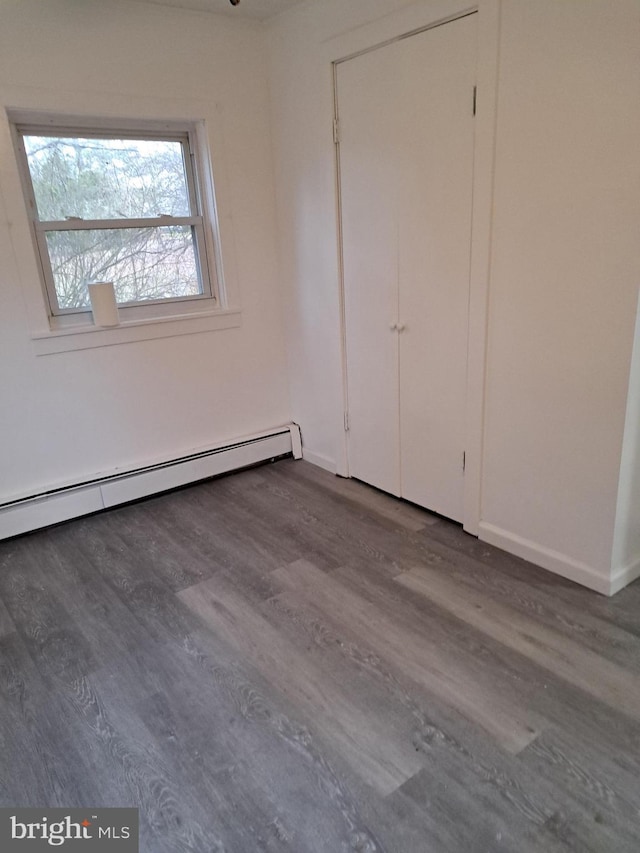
(118, 204)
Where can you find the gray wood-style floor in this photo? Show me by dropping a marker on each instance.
(280, 660)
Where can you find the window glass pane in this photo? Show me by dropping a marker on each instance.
(143, 263)
(107, 178)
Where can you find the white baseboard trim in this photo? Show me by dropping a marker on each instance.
(624, 576)
(546, 558)
(65, 502)
(320, 460)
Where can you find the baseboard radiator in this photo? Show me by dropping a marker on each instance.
(64, 502)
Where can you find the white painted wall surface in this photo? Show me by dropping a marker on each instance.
(564, 272)
(564, 276)
(69, 416)
(626, 545)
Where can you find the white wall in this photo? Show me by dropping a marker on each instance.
(71, 415)
(564, 277)
(564, 273)
(626, 545)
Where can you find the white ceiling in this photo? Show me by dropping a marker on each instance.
(260, 9)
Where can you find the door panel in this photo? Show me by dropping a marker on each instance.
(435, 241)
(406, 156)
(368, 97)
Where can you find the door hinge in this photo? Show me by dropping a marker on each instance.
(464, 460)
(475, 98)
(346, 421)
(336, 131)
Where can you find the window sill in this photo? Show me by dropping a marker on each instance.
(89, 336)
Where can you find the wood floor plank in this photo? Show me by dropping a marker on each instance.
(565, 658)
(402, 513)
(143, 772)
(599, 782)
(381, 758)
(245, 535)
(167, 540)
(229, 747)
(622, 611)
(527, 598)
(522, 802)
(276, 508)
(349, 655)
(39, 759)
(425, 661)
(110, 628)
(6, 623)
(548, 698)
(54, 641)
(281, 660)
(527, 809)
(349, 530)
(322, 810)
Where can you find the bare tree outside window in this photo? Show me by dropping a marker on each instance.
(115, 209)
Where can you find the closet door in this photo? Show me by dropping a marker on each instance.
(406, 157)
(435, 242)
(370, 107)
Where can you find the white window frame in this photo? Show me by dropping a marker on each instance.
(203, 218)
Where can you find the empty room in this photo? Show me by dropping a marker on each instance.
(320, 426)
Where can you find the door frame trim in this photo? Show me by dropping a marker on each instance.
(487, 67)
(431, 26)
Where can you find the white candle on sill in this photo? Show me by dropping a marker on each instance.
(103, 304)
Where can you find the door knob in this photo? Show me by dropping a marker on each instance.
(400, 327)
(393, 326)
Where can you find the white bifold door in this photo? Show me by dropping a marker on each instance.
(406, 117)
